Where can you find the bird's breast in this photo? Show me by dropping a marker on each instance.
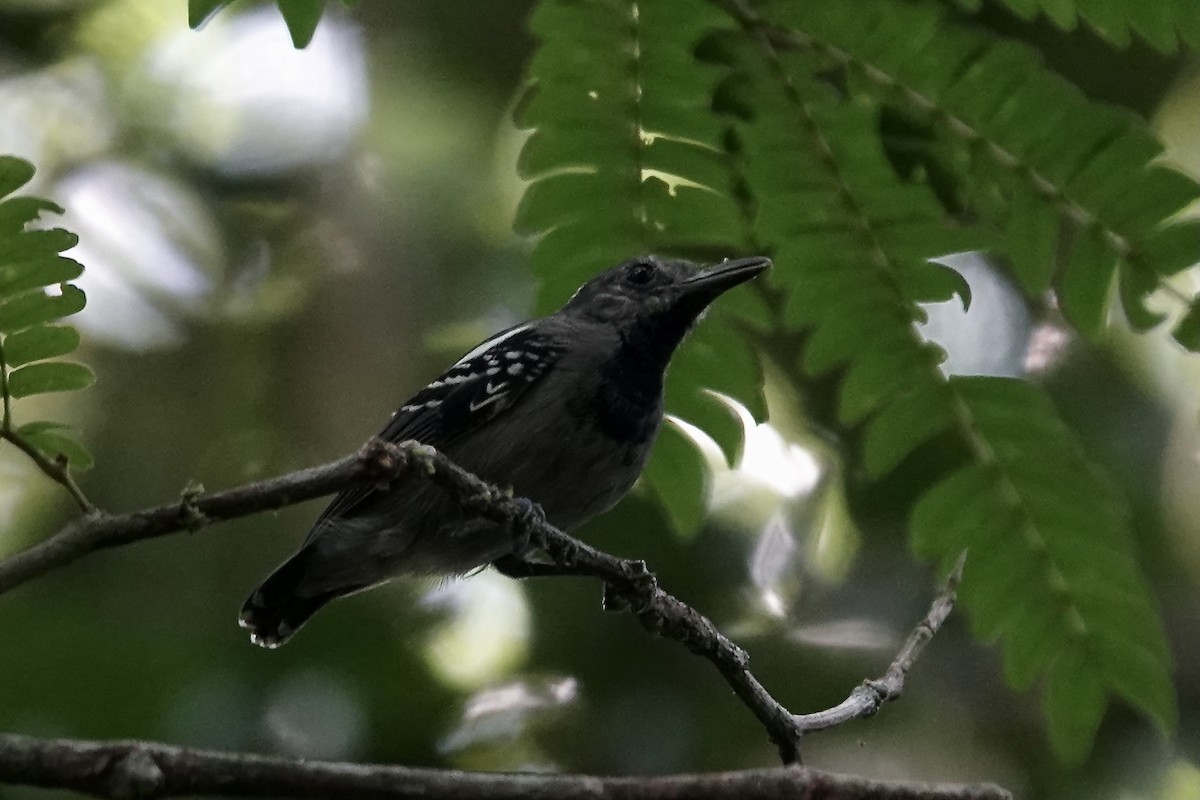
(572, 461)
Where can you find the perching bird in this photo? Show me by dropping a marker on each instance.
(563, 409)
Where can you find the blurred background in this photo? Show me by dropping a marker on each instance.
(282, 245)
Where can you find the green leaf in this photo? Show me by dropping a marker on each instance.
(14, 173)
(201, 11)
(901, 426)
(16, 212)
(715, 358)
(1134, 289)
(49, 376)
(1040, 153)
(51, 438)
(30, 262)
(42, 426)
(1187, 332)
(1171, 248)
(301, 17)
(1074, 703)
(679, 480)
(1031, 240)
(1087, 283)
(1052, 569)
(35, 308)
(25, 245)
(38, 343)
(21, 276)
(1157, 23)
(935, 284)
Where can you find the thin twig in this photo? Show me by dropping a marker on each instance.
(869, 696)
(149, 771)
(59, 473)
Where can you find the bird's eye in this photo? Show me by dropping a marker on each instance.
(640, 274)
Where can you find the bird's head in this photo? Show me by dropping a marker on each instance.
(654, 293)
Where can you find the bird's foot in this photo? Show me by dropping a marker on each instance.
(526, 517)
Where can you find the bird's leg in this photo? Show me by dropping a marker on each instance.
(528, 516)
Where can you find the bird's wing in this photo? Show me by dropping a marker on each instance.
(482, 385)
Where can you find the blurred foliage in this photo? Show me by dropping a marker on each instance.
(301, 251)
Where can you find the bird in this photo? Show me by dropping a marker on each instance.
(563, 409)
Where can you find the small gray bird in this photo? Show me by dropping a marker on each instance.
(563, 409)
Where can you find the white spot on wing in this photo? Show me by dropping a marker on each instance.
(419, 406)
(487, 401)
(492, 342)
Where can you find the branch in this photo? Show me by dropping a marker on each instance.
(375, 462)
(149, 771)
(629, 585)
(868, 697)
(57, 471)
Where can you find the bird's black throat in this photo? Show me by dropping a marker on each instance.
(628, 407)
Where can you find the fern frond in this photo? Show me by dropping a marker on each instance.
(1051, 155)
(852, 242)
(300, 16)
(1187, 332)
(1159, 24)
(35, 294)
(1052, 570)
(625, 157)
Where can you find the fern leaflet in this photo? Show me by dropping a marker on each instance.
(35, 294)
(1159, 24)
(1051, 565)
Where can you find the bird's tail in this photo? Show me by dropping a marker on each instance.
(277, 609)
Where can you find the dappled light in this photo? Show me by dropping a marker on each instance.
(241, 100)
(314, 714)
(991, 337)
(780, 496)
(855, 633)
(501, 722)
(483, 629)
(151, 249)
(57, 116)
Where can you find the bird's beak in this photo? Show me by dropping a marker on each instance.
(724, 276)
